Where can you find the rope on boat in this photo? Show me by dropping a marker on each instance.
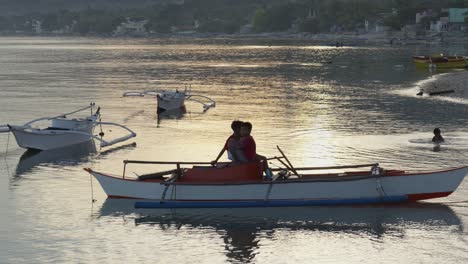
(6, 150)
(101, 134)
(92, 189)
(167, 184)
(76, 111)
(267, 196)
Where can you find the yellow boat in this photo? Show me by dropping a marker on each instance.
(440, 61)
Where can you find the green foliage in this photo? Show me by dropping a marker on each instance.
(393, 22)
(311, 25)
(229, 16)
(94, 21)
(260, 20)
(219, 26)
(4, 24)
(426, 21)
(459, 3)
(276, 18)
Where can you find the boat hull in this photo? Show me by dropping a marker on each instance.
(440, 62)
(320, 190)
(170, 101)
(47, 139)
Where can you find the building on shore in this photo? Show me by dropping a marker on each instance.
(456, 17)
(132, 27)
(36, 26)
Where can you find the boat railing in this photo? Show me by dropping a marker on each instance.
(28, 124)
(91, 105)
(329, 167)
(177, 163)
(296, 169)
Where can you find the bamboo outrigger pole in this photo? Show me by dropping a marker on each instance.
(165, 162)
(287, 160)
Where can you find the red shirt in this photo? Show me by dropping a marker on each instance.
(249, 147)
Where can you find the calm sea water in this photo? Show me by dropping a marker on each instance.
(322, 105)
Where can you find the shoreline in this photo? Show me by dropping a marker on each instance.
(342, 39)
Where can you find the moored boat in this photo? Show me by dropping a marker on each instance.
(243, 185)
(63, 131)
(174, 100)
(440, 61)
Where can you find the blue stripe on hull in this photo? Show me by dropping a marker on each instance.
(266, 203)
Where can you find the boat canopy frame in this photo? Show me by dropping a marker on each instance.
(288, 167)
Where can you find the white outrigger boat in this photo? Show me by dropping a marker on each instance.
(63, 131)
(170, 100)
(243, 185)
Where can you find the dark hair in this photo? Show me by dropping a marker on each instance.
(436, 131)
(236, 125)
(247, 125)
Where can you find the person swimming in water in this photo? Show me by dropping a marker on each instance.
(437, 136)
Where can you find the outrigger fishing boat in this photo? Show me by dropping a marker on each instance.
(171, 100)
(243, 185)
(440, 61)
(63, 131)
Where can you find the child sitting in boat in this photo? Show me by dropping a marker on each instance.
(437, 136)
(232, 145)
(249, 147)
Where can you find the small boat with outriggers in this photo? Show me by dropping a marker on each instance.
(173, 100)
(244, 185)
(62, 131)
(440, 61)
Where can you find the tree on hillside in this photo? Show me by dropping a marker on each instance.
(311, 25)
(97, 21)
(459, 3)
(260, 20)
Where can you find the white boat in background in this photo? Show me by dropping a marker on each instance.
(171, 100)
(243, 185)
(63, 131)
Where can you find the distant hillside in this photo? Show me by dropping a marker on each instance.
(20, 7)
(102, 17)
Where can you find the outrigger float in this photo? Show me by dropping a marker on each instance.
(171, 100)
(243, 185)
(63, 131)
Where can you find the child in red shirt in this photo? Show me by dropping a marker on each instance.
(231, 144)
(250, 149)
(247, 142)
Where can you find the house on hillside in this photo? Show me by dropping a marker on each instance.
(423, 14)
(36, 26)
(380, 26)
(131, 27)
(440, 25)
(457, 18)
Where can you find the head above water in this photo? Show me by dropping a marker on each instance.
(437, 131)
(246, 128)
(236, 126)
